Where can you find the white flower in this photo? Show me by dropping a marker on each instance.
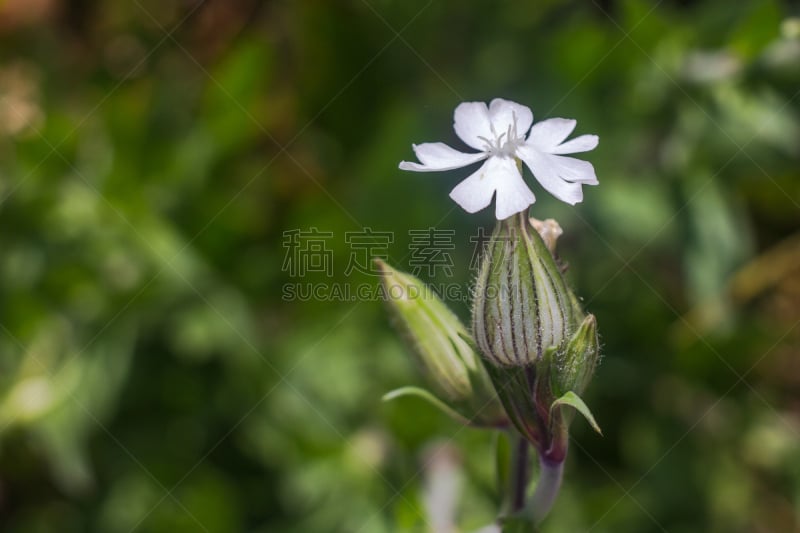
(499, 132)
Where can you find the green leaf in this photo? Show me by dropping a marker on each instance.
(574, 401)
(431, 399)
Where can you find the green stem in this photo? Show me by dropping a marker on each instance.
(520, 466)
(547, 487)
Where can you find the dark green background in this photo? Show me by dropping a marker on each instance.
(153, 153)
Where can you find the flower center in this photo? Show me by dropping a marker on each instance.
(505, 144)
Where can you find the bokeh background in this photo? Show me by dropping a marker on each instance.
(161, 160)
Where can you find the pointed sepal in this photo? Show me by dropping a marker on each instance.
(570, 399)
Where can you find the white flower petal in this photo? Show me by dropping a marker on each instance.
(548, 174)
(475, 192)
(438, 156)
(513, 194)
(505, 114)
(548, 134)
(497, 174)
(584, 143)
(575, 170)
(471, 121)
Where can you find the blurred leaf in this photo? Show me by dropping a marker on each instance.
(428, 397)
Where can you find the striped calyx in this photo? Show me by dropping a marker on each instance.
(522, 305)
(539, 348)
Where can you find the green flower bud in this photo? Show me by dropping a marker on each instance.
(563, 376)
(575, 364)
(442, 345)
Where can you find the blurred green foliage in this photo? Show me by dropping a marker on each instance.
(153, 155)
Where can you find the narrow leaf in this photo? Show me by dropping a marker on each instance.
(430, 398)
(573, 400)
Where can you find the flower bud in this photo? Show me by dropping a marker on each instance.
(562, 377)
(575, 364)
(441, 344)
